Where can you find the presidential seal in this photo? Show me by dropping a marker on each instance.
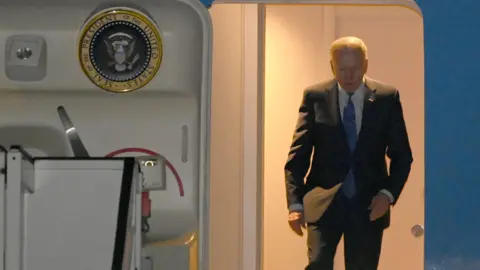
(120, 49)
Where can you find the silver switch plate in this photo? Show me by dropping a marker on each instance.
(154, 169)
(26, 58)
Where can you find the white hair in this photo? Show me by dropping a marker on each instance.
(350, 42)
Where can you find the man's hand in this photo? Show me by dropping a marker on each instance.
(379, 207)
(296, 221)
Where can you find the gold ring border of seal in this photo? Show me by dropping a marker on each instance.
(125, 11)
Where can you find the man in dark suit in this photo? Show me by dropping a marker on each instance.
(349, 123)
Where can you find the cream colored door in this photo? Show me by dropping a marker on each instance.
(226, 143)
(297, 39)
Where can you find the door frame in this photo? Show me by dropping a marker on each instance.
(253, 114)
(252, 127)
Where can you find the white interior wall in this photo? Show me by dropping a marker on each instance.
(226, 138)
(295, 58)
(297, 39)
(238, 68)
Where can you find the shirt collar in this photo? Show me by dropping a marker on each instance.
(359, 90)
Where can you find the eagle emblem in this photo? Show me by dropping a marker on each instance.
(121, 50)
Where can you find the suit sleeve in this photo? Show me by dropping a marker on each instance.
(398, 150)
(298, 161)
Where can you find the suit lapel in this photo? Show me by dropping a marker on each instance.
(333, 104)
(368, 112)
(334, 110)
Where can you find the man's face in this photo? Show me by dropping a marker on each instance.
(349, 66)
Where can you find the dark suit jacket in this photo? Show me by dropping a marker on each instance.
(320, 130)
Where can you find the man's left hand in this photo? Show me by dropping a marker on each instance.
(379, 207)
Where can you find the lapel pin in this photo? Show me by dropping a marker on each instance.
(371, 98)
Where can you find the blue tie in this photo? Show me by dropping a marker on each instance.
(350, 126)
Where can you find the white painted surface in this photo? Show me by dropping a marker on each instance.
(253, 44)
(111, 140)
(3, 163)
(227, 75)
(328, 20)
(411, 4)
(48, 228)
(150, 118)
(226, 137)
(181, 28)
